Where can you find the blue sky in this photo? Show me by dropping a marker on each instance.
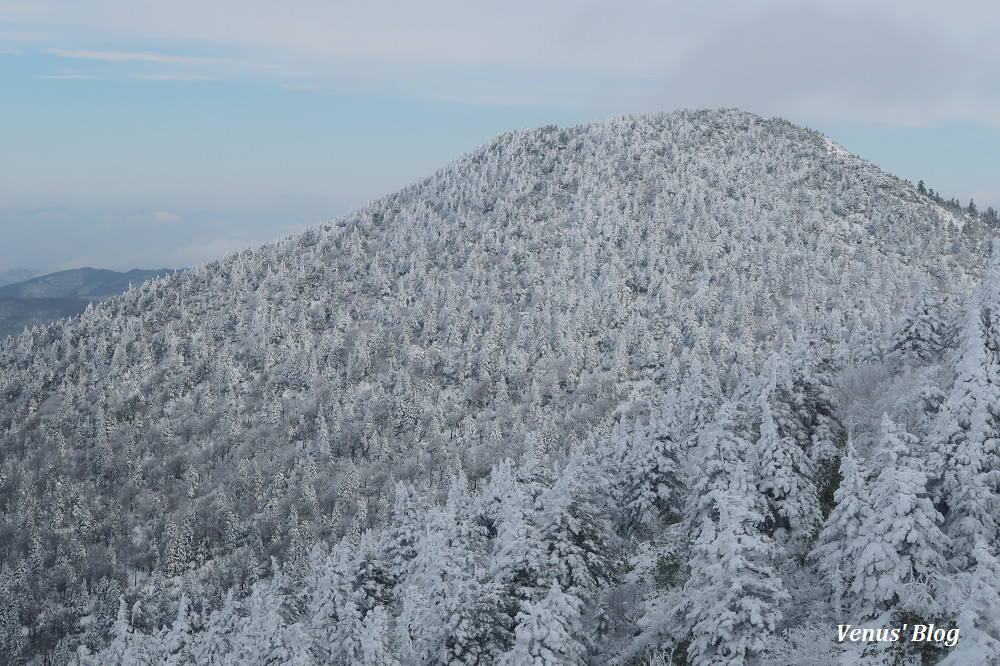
(164, 134)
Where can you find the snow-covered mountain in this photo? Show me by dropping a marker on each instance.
(613, 393)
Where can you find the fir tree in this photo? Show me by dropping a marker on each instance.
(901, 549)
(732, 599)
(549, 632)
(653, 485)
(966, 440)
(786, 480)
(837, 548)
(921, 333)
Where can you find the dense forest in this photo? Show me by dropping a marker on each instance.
(680, 388)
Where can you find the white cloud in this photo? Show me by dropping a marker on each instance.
(809, 62)
(141, 56)
(165, 217)
(890, 62)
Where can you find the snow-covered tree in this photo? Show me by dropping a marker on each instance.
(966, 443)
(785, 480)
(978, 610)
(652, 490)
(732, 599)
(901, 550)
(549, 632)
(921, 333)
(734, 594)
(838, 546)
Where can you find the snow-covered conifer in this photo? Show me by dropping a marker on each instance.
(965, 444)
(653, 485)
(732, 599)
(549, 632)
(921, 333)
(901, 549)
(786, 480)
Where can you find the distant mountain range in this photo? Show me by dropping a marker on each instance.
(33, 301)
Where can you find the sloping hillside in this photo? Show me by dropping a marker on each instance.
(552, 357)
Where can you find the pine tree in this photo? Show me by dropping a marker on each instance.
(575, 528)
(548, 632)
(921, 333)
(653, 480)
(376, 643)
(733, 596)
(901, 549)
(399, 544)
(517, 570)
(442, 605)
(786, 480)
(700, 396)
(731, 601)
(965, 444)
(214, 644)
(178, 640)
(836, 550)
(978, 616)
(260, 639)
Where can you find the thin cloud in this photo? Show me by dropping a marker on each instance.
(142, 56)
(204, 250)
(894, 62)
(67, 76)
(172, 77)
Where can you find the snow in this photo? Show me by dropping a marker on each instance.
(834, 147)
(610, 372)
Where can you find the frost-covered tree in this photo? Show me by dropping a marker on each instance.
(652, 490)
(732, 599)
(785, 480)
(511, 305)
(575, 529)
(446, 600)
(178, 640)
(966, 442)
(901, 550)
(837, 548)
(921, 334)
(978, 610)
(734, 593)
(549, 632)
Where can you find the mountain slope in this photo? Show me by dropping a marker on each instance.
(556, 291)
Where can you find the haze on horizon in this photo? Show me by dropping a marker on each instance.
(168, 134)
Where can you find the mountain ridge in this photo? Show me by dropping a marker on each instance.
(89, 283)
(42, 299)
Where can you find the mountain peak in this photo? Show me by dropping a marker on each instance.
(554, 352)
